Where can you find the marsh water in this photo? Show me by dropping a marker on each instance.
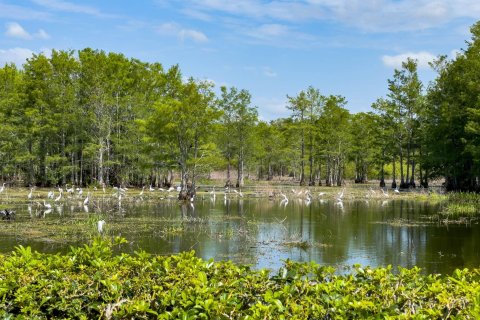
(263, 232)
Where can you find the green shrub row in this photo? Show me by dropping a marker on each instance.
(93, 282)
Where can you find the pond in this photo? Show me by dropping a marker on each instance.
(257, 231)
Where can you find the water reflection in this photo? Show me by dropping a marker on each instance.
(263, 232)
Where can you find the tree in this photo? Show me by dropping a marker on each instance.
(335, 138)
(453, 116)
(406, 95)
(187, 120)
(238, 121)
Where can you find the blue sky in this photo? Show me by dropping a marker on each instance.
(271, 48)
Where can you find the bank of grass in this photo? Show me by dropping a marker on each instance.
(461, 204)
(91, 282)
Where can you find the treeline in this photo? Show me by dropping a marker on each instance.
(91, 117)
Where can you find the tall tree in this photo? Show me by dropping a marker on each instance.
(238, 121)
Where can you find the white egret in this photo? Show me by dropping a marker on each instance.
(59, 197)
(47, 205)
(151, 189)
(141, 193)
(2, 188)
(30, 195)
(87, 199)
(396, 190)
(50, 195)
(100, 225)
(69, 190)
(385, 193)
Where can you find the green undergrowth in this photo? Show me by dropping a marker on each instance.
(461, 204)
(91, 282)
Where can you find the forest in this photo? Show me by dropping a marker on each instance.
(89, 117)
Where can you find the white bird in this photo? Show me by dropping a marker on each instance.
(179, 189)
(30, 195)
(340, 195)
(47, 205)
(2, 188)
(384, 193)
(321, 194)
(60, 189)
(87, 199)
(50, 195)
(240, 194)
(151, 189)
(284, 196)
(59, 197)
(141, 193)
(69, 190)
(100, 225)
(171, 189)
(396, 190)
(80, 191)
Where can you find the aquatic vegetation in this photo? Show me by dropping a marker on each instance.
(93, 282)
(461, 204)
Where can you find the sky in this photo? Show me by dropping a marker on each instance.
(270, 48)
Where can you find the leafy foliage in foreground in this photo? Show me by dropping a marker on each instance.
(93, 282)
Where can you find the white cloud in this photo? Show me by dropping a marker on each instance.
(271, 108)
(65, 6)
(15, 30)
(366, 15)
(194, 35)
(20, 13)
(422, 57)
(15, 55)
(173, 29)
(42, 34)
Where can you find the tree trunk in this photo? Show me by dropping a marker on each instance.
(402, 178)
(229, 167)
(319, 173)
(394, 181)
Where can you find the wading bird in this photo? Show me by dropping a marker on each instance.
(59, 196)
(100, 225)
(87, 199)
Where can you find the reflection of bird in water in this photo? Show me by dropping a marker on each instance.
(238, 192)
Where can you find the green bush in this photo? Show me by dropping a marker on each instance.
(94, 282)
